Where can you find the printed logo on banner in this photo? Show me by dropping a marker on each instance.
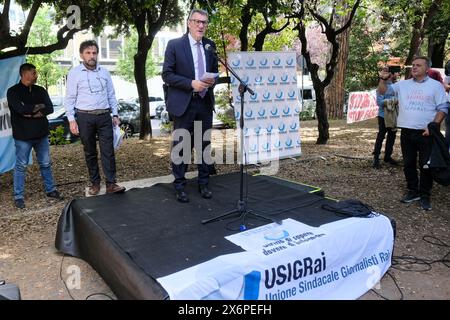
(254, 98)
(269, 129)
(282, 128)
(294, 79)
(246, 133)
(279, 95)
(251, 285)
(249, 114)
(284, 79)
(266, 97)
(297, 111)
(274, 112)
(236, 63)
(276, 63)
(262, 114)
(263, 63)
(291, 95)
(238, 98)
(286, 111)
(257, 130)
(271, 80)
(298, 143)
(293, 127)
(277, 145)
(254, 148)
(290, 63)
(288, 143)
(237, 115)
(258, 80)
(265, 147)
(250, 64)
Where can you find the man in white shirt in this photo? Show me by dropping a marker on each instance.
(91, 97)
(421, 100)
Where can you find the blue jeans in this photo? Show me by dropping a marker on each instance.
(23, 150)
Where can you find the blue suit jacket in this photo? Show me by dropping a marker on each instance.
(179, 71)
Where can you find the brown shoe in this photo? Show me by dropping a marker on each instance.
(94, 189)
(114, 188)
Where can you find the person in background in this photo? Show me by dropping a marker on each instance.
(91, 97)
(29, 105)
(447, 88)
(422, 100)
(382, 129)
(190, 97)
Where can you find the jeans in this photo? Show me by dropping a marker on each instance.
(23, 150)
(382, 130)
(447, 129)
(413, 143)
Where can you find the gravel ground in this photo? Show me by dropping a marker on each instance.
(342, 168)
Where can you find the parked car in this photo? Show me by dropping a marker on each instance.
(156, 105)
(128, 111)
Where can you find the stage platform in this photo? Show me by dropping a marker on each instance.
(135, 238)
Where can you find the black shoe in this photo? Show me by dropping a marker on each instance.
(20, 204)
(376, 163)
(410, 197)
(182, 196)
(55, 195)
(204, 191)
(425, 203)
(392, 161)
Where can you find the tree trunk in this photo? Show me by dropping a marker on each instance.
(414, 45)
(246, 19)
(335, 92)
(436, 51)
(321, 114)
(141, 79)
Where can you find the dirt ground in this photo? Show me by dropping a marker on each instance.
(342, 168)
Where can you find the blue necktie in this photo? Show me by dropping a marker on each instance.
(201, 66)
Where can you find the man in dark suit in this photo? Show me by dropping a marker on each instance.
(190, 99)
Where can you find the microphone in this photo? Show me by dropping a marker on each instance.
(209, 47)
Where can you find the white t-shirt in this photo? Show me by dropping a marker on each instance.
(419, 102)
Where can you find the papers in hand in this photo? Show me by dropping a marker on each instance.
(209, 75)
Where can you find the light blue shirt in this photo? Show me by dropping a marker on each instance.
(194, 45)
(89, 90)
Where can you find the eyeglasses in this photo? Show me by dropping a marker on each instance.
(199, 22)
(96, 85)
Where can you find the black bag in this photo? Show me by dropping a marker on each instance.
(350, 208)
(439, 162)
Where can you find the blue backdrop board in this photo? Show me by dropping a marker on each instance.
(9, 76)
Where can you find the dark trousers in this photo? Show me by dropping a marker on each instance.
(91, 126)
(413, 143)
(198, 110)
(447, 129)
(382, 130)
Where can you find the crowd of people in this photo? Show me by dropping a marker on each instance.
(422, 101)
(91, 107)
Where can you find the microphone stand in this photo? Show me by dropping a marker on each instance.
(242, 209)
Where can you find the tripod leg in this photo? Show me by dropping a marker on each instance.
(225, 215)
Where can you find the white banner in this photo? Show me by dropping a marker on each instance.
(9, 76)
(271, 115)
(362, 106)
(339, 260)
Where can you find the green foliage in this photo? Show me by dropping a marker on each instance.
(224, 111)
(309, 113)
(125, 65)
(57, 136)
(366, 50)
(41, 34)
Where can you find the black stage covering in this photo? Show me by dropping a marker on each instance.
(131, 239)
